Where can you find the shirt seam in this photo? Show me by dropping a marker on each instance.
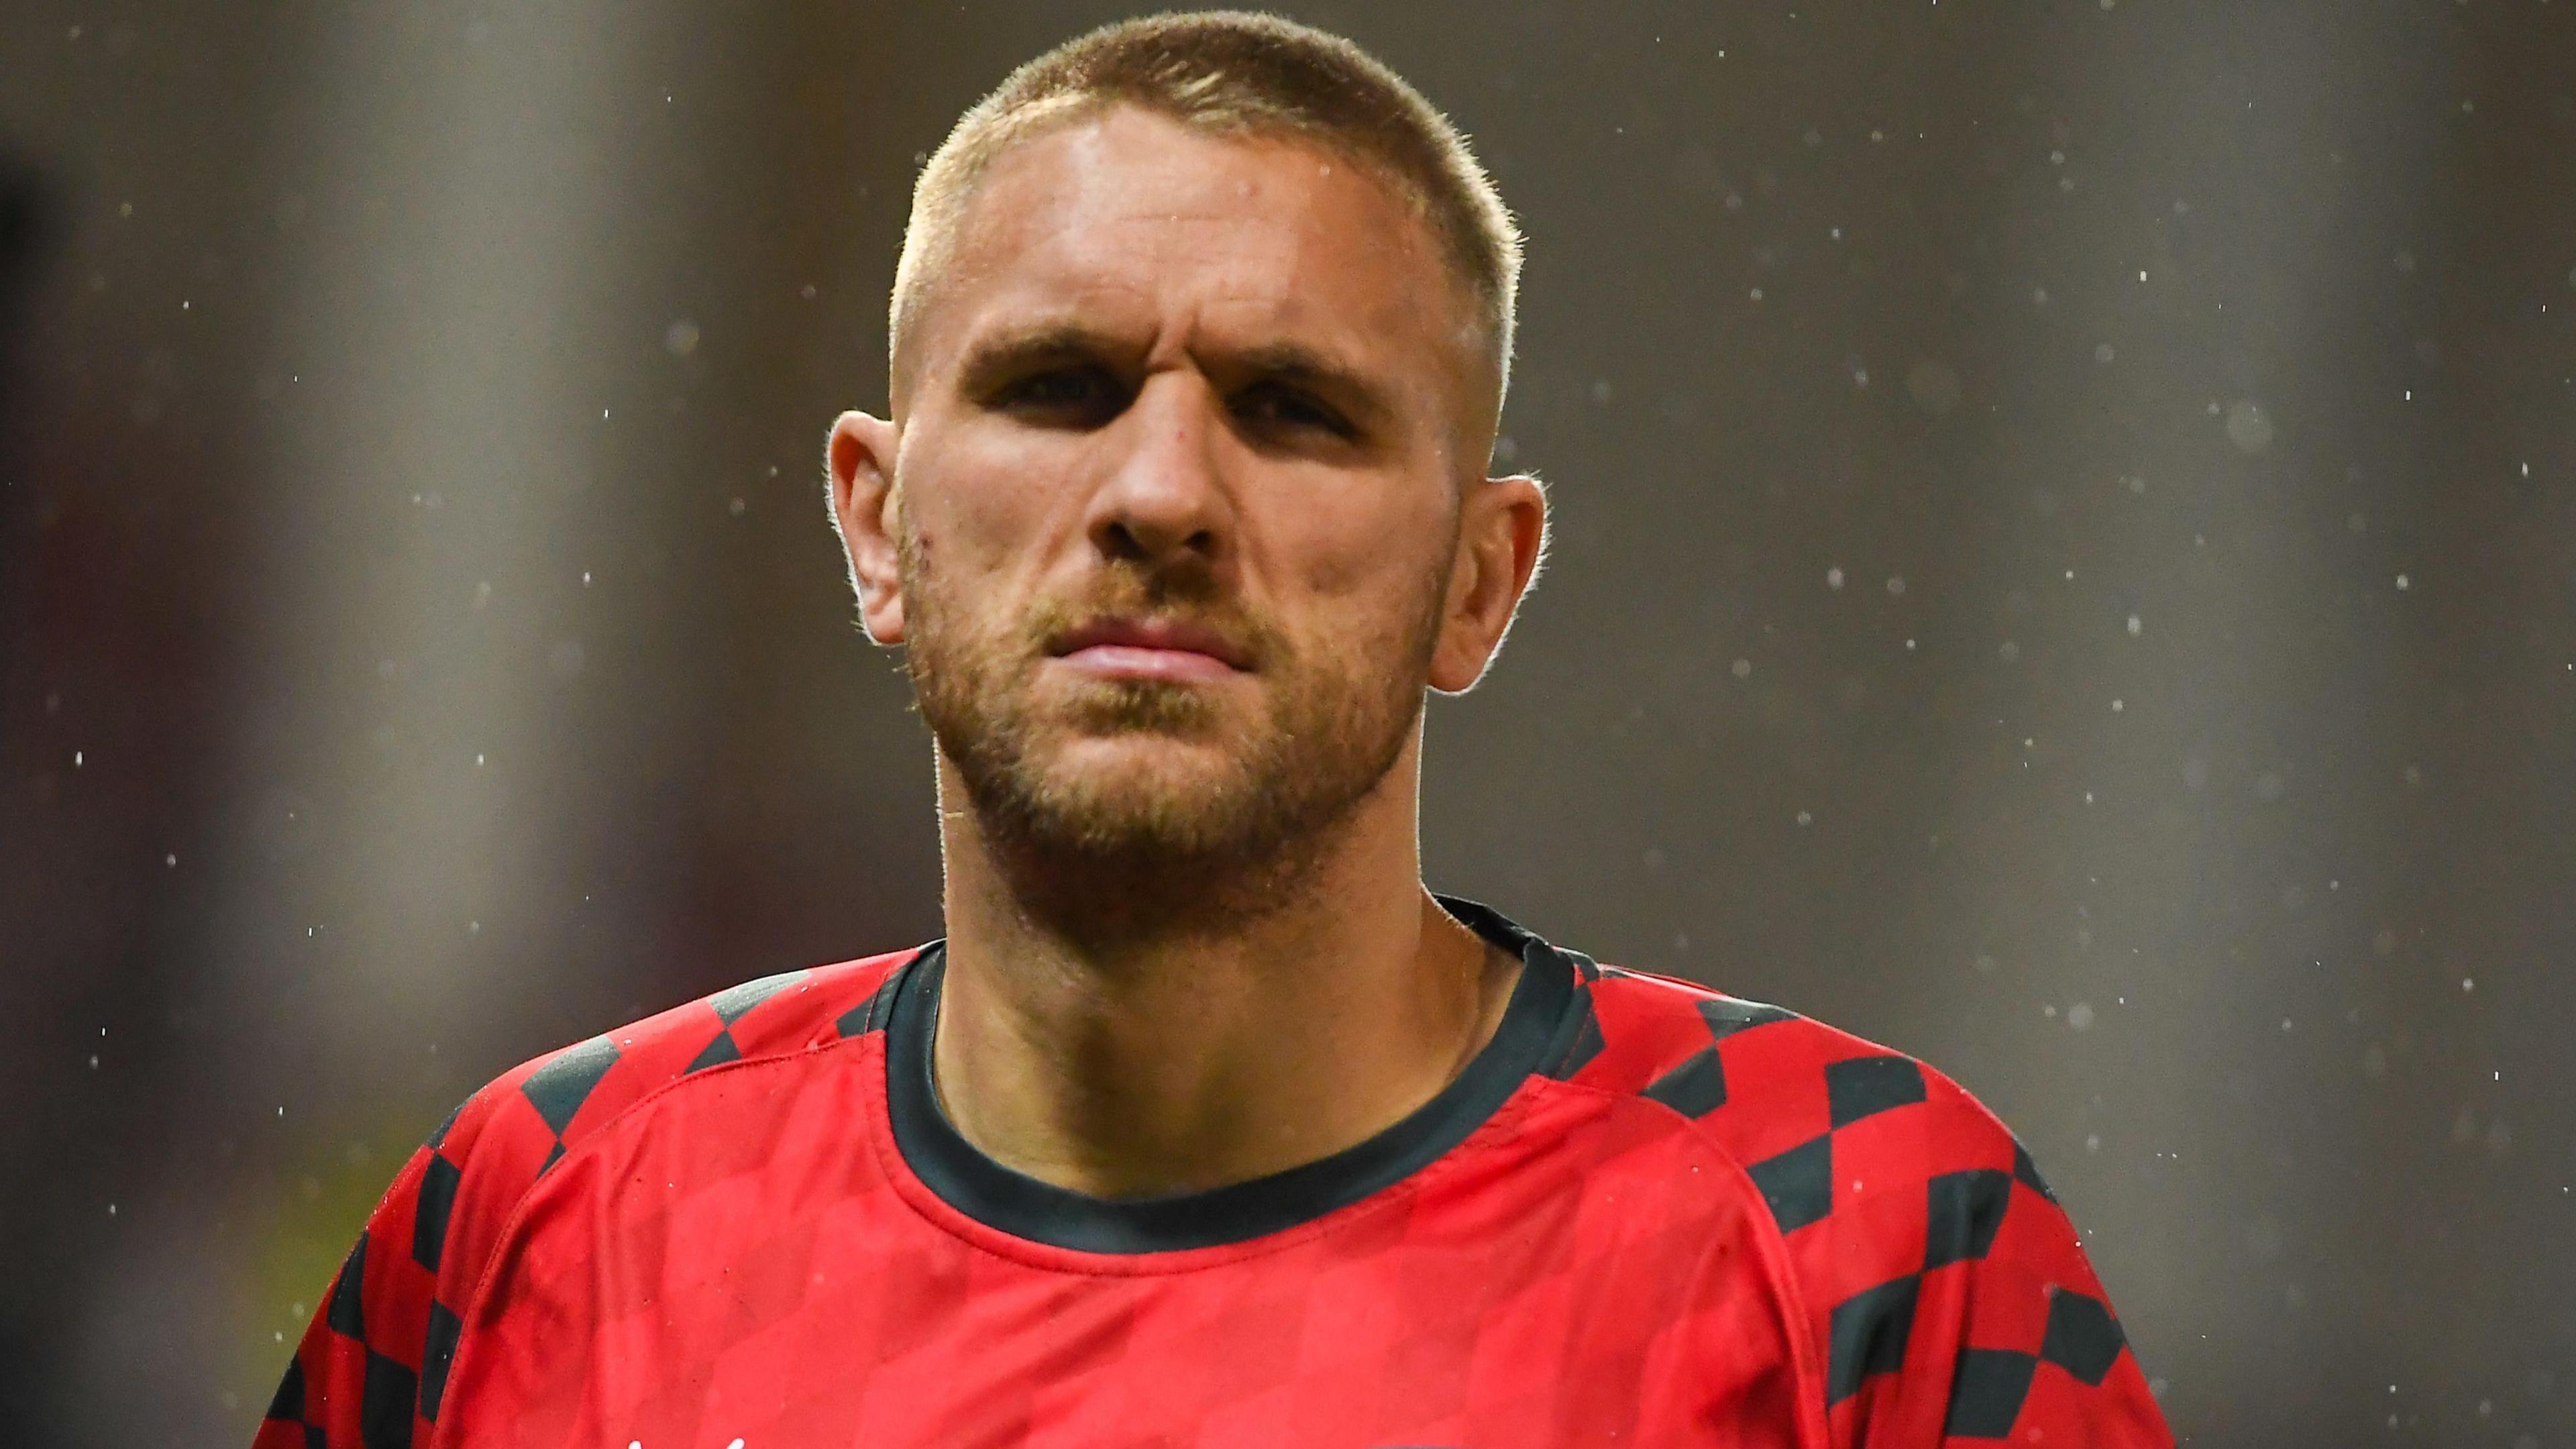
(515, 1220)
(1123, 1266)
(1779, 1266)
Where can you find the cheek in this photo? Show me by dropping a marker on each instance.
(1378, 539)
(1373, 578)
(985, 512)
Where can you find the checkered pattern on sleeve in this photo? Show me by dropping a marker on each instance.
(372, 1366)
(1948, 1297)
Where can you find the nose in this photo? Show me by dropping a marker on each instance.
(1164, 500)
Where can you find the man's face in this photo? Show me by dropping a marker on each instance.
(1178, 488)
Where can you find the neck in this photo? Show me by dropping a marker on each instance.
(1175, 1051)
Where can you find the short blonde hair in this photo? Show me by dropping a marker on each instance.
(1234, 73)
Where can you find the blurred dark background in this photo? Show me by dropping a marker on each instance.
(2066, 526)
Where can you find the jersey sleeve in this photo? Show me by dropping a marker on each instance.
(370, 1367)
(1944, 1294)
(1954, 1301)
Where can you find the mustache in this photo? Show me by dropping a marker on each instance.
(1188, 600)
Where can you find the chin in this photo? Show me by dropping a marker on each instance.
(1140, 795)
(1147, 775)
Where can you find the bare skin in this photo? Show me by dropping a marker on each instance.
(1181, 507)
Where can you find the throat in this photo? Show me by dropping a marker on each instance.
(1203, 1061)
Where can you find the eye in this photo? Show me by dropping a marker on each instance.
(1278, 406)
(1070, 396)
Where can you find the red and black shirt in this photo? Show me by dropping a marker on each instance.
(1646, 1214)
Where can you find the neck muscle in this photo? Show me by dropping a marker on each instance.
(1175, 1050)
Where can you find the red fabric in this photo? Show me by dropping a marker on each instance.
(1725, 1225)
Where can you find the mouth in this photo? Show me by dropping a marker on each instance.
(1127, 648)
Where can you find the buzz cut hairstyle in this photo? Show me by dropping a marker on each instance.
(1234, 73)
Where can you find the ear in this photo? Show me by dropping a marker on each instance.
(1502, 533)
(860, 459)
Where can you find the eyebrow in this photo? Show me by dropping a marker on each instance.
(993, 360)
(1302, 366)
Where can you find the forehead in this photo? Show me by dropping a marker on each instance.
(1134, 223)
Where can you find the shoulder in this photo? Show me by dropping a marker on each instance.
(571, 1093)
(378, 1350)
(505, 1137)
(1818, 1117)
(555, 1100)
(1937, 1271)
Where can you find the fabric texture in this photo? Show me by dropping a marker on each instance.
(1649, 1214)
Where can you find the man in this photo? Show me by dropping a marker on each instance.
(1206, 1124)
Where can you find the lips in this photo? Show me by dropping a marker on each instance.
(1151, 648)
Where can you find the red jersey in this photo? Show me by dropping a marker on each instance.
(1646, 1214)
